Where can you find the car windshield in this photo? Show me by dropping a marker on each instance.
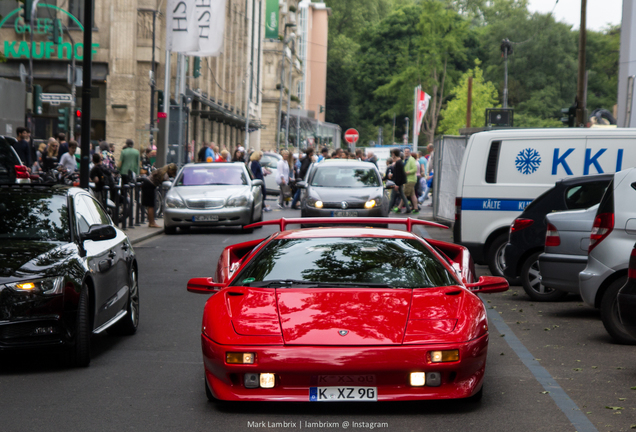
(225, 175)
(336, 176)
(345, 262)
(32, 216)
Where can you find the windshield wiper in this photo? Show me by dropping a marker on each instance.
(291, 282)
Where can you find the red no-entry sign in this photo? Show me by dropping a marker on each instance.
(351, 136)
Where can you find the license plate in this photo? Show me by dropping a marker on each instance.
(343, 394)
(205, 218)
(344, 213)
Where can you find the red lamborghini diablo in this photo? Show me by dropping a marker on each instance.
(344, 314)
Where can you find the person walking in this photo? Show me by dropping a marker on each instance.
(23, 146)
(410, 169)
(259, 174)
(50, 159)
(61, 138)
(148, 187)
(201, 153)
(129, 162)
(68, 158)
(283, 168)
(399, 178)
(302, 172)
(210, 156)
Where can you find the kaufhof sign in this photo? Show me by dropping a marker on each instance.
(20, 49)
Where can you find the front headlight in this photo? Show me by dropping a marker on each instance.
(239, 201)
(46, 286)
(373, 203)
(175, 201)
(311, 202)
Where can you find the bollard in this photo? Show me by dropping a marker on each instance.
(116, 199)
(103, 196)
(131, 214)
(138, 203)
(124, 206)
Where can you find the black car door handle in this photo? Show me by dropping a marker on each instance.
(112, 254)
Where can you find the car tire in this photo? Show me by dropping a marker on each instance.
(79, 355)
(494, 255)
(531, 281)
(127, 326)
(169, 230)
(609, 313)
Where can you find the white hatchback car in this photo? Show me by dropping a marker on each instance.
(611, 242)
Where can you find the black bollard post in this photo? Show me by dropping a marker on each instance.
(115, 197)
(138, 203)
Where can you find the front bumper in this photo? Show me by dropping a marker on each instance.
(561, 272)
(226, 216)
(297, 368)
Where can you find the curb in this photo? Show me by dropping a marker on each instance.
(146, 237)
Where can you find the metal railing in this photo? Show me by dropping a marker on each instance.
(125, 206)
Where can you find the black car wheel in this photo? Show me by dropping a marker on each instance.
(169, 230)
(531, 281)
(128, 325)
(80, 354)
(609, 314)
(495, 255)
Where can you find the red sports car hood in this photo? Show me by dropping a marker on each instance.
(343, 316)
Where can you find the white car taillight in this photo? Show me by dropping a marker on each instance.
(603, 226)
(552, 237)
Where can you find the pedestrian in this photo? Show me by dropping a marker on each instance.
(223, 156)
(410, 169)
(68, 159)
(23, 146)
(146, 165)
(100, 175)
(108, 160)
(324, 154)
(399, 178)
(283, 168)
(302, 172)
(371, 157)
(37, 165)
(129, 162)
(239, 156)
(259, 173)
(359, 154)
(210, 155)
(50, 159)
(148, 187)
(201, 152)
(61, 138)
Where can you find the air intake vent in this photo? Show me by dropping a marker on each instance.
(493, 161)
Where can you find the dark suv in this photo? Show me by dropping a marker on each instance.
(527, 233)
(66, 272)
(11, 168)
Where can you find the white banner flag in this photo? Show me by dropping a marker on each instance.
(182, 27)
(211, 27)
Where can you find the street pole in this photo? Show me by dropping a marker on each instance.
(392, 143)
(406, 119)
(580, 85)
(469, 104)
(87, 63)
(153, 81)
(505, 92)
(162, 147)
(415, 133)
(282, 85)
(180, 97)
(247, 110)
(289, 92)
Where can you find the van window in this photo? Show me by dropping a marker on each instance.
(493, 161)
(584, 196)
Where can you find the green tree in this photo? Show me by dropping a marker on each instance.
(484, 95)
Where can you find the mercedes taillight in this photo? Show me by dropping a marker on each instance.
(603, 226)
(552, 237)
(21, 172)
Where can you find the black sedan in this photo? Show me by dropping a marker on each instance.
(341, 188)
(66, 272)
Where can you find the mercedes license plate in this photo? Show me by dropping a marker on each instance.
(344, 213)
(205, 218)
(343, 394)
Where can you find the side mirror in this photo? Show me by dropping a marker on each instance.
(166, 184)
(204, 286)
(99, 233)
(489, 285)
(257, 182)
(301, 184)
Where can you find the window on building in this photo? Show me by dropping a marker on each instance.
(76, 8)
(46, 12)
(6, 7)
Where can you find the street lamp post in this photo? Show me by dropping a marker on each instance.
(291, 77)
(282, 85)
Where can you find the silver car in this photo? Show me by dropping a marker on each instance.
(212, 194)
(611, 242)
(567, 242)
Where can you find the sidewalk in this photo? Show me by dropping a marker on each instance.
(140, 233)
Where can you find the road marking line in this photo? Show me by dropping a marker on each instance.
(560, 397)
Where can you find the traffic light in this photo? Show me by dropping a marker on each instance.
(37, 99)
(160, 101)
(62, 119)
(322, 108)
(570, 120)
(57, 33)
(26, 10)
(78, 115)
(196, 69)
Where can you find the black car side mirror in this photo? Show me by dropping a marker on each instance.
(301, 184)
(98, 233)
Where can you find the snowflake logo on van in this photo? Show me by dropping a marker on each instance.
(528, 161)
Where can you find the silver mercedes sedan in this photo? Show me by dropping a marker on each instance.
(213, 194)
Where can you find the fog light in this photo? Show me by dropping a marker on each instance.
(318, 204)
(267, 380)
(418, 379)
(250, 380)
(239, 358)
(444, 356)
(433, 379)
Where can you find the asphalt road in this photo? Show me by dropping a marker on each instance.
(153, 381)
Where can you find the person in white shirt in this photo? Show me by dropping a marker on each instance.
(68, 158)
(282, 175)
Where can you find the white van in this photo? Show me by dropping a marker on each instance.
(503, 170)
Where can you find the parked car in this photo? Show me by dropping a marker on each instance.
(270, 161)
(67, 271)
(12, 170)
(611, 241)
(626, 300)
(337, 188)
(212, 194)
(566, 243)
(344, 314)
(527, 232)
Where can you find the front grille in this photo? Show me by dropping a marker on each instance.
(28, 330)
(205, 203)
(338, 205)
